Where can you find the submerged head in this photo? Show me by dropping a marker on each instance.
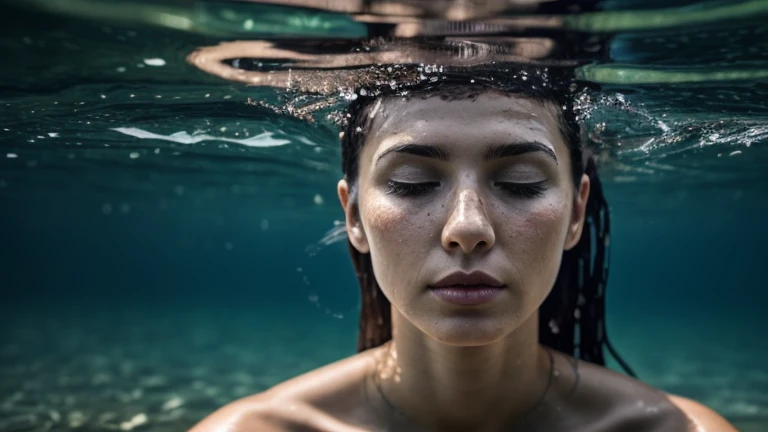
(461, 179)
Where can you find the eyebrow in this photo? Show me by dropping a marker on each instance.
(507, 150)
(428, 151)
(497, 151)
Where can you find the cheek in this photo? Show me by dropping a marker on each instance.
(391, 234)
(389, 219)
(539, 233)
(400, 238)
(550, 221)
(388, 228)
(384, 218)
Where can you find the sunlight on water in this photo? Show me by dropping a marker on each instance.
(262, 140)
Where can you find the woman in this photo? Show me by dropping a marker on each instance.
(471, 215)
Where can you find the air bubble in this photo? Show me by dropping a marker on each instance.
(154, 62)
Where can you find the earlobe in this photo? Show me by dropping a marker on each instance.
(578, 214)
(355, 231)
(358, 239)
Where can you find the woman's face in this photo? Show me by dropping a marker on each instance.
(468, 185)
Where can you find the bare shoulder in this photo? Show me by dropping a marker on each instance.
(704, 418)
(324, 399)
(631, 405)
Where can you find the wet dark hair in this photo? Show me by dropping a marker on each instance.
(572, 317)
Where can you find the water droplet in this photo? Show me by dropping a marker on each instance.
(228, 246)
(134, 155)
(106, 208)
(264, 224)
(11, 155)
(178, 190)
(318, 199)
(554, 327)
(121, 69)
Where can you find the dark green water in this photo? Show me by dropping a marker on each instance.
(146, 282)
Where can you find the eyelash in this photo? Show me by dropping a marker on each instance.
(410, 189)
(522, 190)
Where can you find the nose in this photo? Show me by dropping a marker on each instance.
(468, 227)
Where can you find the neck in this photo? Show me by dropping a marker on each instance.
(436, 386)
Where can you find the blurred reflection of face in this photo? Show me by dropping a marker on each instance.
(473, 184)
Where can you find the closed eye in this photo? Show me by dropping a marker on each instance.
(410, 189)
(522, 190)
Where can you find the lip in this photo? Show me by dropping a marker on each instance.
(467, 289)
(468, 280)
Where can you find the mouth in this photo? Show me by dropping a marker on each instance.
(474, 280)
(467, 289)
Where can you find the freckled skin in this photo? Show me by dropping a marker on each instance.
(453, 368)
(530, 234)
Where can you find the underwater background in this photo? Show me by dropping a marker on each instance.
(166, 248)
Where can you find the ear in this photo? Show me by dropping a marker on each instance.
(578, 214)
(355, 230)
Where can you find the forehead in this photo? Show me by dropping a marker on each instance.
(489, 116)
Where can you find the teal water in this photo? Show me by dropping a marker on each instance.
(161, 241)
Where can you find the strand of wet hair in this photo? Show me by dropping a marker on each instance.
(593, 288)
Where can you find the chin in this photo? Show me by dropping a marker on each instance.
(468, 331)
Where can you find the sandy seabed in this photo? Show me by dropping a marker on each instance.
(164, 371)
